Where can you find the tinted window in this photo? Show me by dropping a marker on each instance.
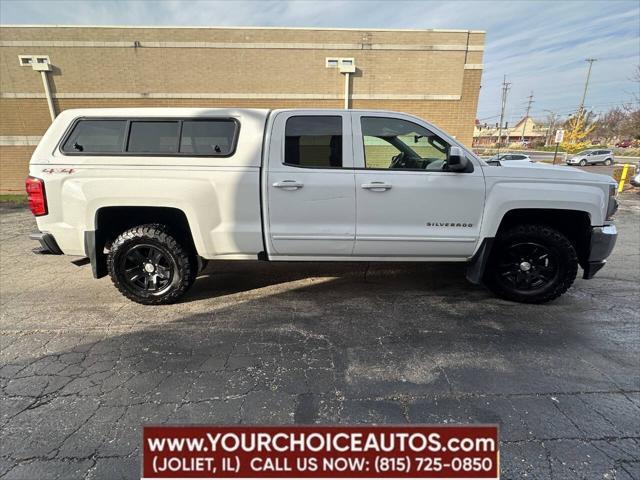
(207, 137)
(399, 144)
(96, 136)
(314, 141)
(153, 137)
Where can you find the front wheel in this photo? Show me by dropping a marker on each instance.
(149, 266)
(531, 264)
(583, 162)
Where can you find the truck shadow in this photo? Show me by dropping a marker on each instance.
(222, 278)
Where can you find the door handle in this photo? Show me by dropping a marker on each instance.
(376, 186)
(288, 185)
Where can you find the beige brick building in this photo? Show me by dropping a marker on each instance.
(434, 74)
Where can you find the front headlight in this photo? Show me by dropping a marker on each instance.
(612, 206)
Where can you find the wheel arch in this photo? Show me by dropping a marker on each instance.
(112, 220)
(574, 224)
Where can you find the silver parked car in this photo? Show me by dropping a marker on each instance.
(635, 180)
(591, 157)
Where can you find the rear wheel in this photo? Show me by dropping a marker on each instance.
(608, 162)
(149, 266)
(531, 264)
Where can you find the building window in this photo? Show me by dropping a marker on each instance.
(153, 137)
(335, 62)
(207, 137)
(313, 141)
(96, 136)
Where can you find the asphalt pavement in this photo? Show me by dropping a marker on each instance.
(82, 368)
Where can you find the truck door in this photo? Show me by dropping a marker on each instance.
(408, 204)
(310, 185)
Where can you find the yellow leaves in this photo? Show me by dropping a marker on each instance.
(577, 129)
(575, 147)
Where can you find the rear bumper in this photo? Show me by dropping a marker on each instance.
(48, 244)
(603, 239)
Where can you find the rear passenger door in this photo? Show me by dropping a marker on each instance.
(310, 185)
(600, 156)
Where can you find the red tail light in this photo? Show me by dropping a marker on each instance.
(37, 196)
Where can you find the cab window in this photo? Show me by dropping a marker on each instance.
(313, 141)
(393, 143)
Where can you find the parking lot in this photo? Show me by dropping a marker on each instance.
(82, 368)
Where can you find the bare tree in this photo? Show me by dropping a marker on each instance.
(609, 125)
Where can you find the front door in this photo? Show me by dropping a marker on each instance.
(310, 185)
(407, 203)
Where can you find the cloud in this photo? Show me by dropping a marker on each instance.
(541, 46)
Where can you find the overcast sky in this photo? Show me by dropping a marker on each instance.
(540, 45)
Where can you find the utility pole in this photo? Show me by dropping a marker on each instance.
(526, 116)
(506, 86)
(552, 123)
(586, 85)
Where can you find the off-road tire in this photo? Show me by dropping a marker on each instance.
(560, 249)
(183, 262)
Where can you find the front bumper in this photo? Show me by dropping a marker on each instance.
(48, 244)
(603, 239)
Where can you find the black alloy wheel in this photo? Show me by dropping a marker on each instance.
(149, 266)
(527, 266)
(148, 269)
(531, 264)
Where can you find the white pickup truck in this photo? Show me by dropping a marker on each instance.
(149, 195)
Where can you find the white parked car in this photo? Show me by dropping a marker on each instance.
(509, 159)
(148, 195)
(592, 157)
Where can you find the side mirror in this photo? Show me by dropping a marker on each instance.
(457, 160)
